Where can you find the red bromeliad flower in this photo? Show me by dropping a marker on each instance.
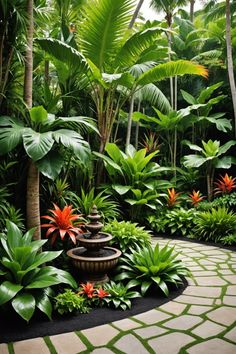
(61, 223)
(172, 198)
(225, 185)
(196, 197)
(101, 293)
(88, 290)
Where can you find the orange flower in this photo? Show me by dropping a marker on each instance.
(172, 198)
(101, 293)
(225, 185)
(61, 223)
(88, 290)
(196, 197)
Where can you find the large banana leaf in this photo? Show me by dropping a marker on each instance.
(102, 29)
(74, 141)
(36, 144)
(172, 68)
(64, 52)
(152, 94)
(11, 131)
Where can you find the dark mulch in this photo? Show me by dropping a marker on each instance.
(15, 329)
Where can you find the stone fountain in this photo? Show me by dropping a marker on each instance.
(94, 258)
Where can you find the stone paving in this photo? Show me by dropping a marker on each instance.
(201, 320)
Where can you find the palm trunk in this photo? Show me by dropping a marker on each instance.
(136, 12)
(28, 80)
(32, 200)
(192, 2)
(131, 109)
(230, 60)
(32, 205)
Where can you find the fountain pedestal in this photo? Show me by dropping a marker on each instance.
(94, 258)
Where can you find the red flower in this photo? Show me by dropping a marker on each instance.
(101, 293)
(61, 223)
(225, 185)
(172, 198)
(88, 289)
(196, 197)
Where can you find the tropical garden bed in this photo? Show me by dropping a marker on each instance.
(104, 112)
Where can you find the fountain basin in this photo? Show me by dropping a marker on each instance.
(102, 239)
(94, 268)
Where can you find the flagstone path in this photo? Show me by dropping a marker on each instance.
(201, 320)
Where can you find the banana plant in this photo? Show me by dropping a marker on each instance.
(42, 137)
(211, 157)
(24, 283)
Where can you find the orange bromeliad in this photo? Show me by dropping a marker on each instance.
(225, 185)
(196, 198)
(172, 197)
(88, 289)
(61, 223)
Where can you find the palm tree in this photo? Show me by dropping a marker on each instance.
(40, 136)
(106, 56)
(191, 12)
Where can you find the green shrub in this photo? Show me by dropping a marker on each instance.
(147, 266)
(127, 235)
(180, 222)
(69, 302)
(119, 295)
(157, 223)
(229, 240)
(24, 283)
(107, 207)
(227, 200)
(214, 224)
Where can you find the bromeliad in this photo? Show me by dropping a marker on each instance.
(61, 223)
(172, 197)
(225, 184)
(195, 198)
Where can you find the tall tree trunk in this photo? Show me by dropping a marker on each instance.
(131, 109)
(28, 80)
(32, 198)
(192, 2)
(230, 60)
(32, 205)
(136, 12)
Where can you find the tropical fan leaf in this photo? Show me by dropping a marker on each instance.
(103, 28)
(172, 68)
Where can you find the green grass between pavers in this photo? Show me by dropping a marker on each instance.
(86, 342)
(50, 346)
(10, 348)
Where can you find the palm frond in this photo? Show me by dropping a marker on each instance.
(154, 96)
(131, 51)
(172, 68)
(102, 29)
